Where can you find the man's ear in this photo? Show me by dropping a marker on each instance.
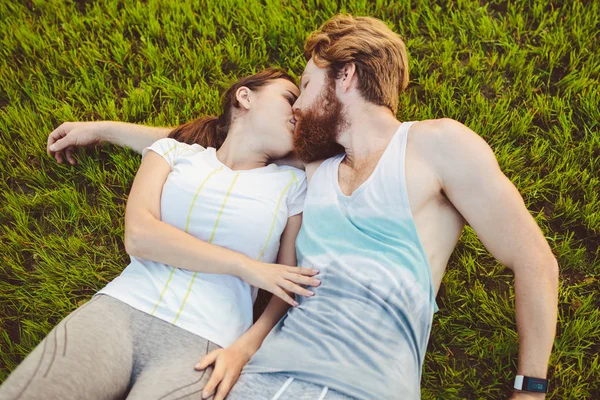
(243, 96)
(348, 75)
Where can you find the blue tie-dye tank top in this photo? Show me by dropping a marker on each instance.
(365, 331)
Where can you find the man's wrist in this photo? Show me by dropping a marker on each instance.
(535, 370)
(521, 395)
(246, 345)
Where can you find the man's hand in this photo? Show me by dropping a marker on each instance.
(228, 366)
(64, 140)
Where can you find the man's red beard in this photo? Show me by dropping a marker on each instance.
(317, 129)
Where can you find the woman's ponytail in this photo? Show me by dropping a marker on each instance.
(206, 131)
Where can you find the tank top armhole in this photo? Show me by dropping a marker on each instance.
(406, 201)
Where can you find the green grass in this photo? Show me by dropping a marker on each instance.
(523, 74)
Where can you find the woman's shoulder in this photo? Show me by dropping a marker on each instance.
(185, 149)
(181, 145)
(172, 150)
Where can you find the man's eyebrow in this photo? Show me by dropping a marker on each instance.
(301, 77)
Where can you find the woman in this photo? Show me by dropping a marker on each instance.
(203, 228)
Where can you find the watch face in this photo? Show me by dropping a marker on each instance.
(535, 385)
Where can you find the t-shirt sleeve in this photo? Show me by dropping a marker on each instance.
(167, 148)
(296, 198)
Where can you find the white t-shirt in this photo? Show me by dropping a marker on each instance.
(245, 211)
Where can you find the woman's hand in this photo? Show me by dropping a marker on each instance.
(278, 279)
(65, 139)
(228, 366)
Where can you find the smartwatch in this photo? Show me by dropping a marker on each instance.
(528, 384)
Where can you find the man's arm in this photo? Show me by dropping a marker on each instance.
(472, 180)
(69, 136)
(229, 362)
(276, 308)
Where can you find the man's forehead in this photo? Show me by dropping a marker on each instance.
(303, 77)
(310, 65)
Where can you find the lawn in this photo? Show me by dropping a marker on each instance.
(523, 74)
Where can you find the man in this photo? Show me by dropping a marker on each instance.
(383, 214)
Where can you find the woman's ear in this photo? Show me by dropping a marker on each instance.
(243, 96)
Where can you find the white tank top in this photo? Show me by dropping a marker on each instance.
(365, 331)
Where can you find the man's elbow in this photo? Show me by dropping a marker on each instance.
(546, 266)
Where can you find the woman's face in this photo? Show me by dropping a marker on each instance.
(272, 116)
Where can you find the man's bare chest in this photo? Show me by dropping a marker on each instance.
(351, 179)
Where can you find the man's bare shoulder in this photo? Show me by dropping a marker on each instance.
(452, 150)
(443, 137)
(442, 131)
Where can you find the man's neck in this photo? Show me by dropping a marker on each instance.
(369, 131)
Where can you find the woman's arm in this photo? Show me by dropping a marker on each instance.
(69, 136)
(146, 236)
(229, 362)
(136, 137)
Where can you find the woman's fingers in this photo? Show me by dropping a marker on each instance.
(56, 134)
(59, 157)
(69, 153)
(64, 142)
(302, 280)
(282, 278)
(292, 287)
(303, 271)
(279, 292)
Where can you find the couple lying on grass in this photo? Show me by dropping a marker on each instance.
(353, 247)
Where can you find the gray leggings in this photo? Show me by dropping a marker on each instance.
(108, 350)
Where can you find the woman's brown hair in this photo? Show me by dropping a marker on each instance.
(211, 131)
